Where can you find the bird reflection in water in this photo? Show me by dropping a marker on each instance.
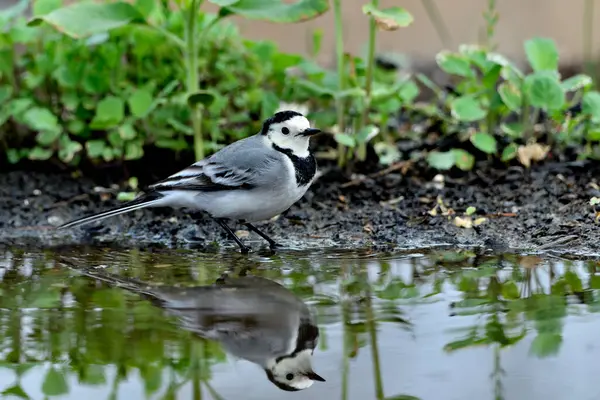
(253, 318)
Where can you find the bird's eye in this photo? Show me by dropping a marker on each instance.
(289, 377)
(285, 130)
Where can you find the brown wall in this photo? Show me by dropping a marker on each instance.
(519, 20)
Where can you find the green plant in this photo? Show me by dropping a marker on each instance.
(108, 96)
(359, 99)
(494, 99)
(84, 19)
(490, 15)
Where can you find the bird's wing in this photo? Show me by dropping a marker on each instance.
(242, 165)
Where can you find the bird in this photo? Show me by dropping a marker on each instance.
(250, 180)
(253, 318)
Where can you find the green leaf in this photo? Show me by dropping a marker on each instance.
(574, 281)
(68, 149)
(511, 96)
(94, 374)
(463, 159)
(42, 7)
(441, 159)
(593, 134)
(15, 391)
(41, 119)
(513, 129)
(408, 92)
(454, 64)
(542, 54)
(133, 150)
(467, 108)
(95, 148)
(13, 156)
(152, 375)
(546, 344)
(127, 132)
(40, 154)
(485, 142)
(315, 89)
(110, 112)
(544, 91)
(140, 102)
(274, 10)
(55, 383)
(591, 105)
(84, 19)
(470, 210)
(126, 196)
(352, 92)
(576, 82)
(366, 133)
(345, 139)
(390, 18)
(76, 126)
(46, 138)
(387, 153)
(509, 152)
(204, 97)
(510, 290)
(17, 107)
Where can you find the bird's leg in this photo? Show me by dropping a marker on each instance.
(273, 244)
(244, 249)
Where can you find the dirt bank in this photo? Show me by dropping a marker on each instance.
(546, 208)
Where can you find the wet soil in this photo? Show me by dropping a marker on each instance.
(543, 208)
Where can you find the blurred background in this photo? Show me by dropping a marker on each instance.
(460, 21)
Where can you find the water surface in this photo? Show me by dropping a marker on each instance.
(429, 325)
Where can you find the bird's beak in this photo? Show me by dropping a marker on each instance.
(313, 376)
(310, 132)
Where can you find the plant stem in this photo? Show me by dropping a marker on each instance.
(438, 22)
(588, 27)
(368, 78)
(370, 67)
(341, 71)
(193, 86)
(372, 329)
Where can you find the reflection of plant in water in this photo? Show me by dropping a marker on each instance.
(358, 296)
(511, 294)
(82, 330)
(86, 330)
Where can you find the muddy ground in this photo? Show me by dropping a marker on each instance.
(545, 208)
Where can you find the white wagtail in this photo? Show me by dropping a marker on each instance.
(253, 318)
(253, 179)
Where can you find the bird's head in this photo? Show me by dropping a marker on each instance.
(292, 373)
(289, 130)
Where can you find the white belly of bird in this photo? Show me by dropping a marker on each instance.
(248, 205)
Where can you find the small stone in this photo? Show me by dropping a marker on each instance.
(55, 220)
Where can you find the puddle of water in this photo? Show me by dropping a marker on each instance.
(102, 323)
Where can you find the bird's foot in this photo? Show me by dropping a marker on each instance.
(275, 246)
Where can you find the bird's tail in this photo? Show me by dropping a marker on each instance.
(143, 201)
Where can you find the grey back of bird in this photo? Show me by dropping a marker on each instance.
(253, 318)
(250, 161)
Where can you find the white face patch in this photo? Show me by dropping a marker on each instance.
(295, 366)
(287, 135)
